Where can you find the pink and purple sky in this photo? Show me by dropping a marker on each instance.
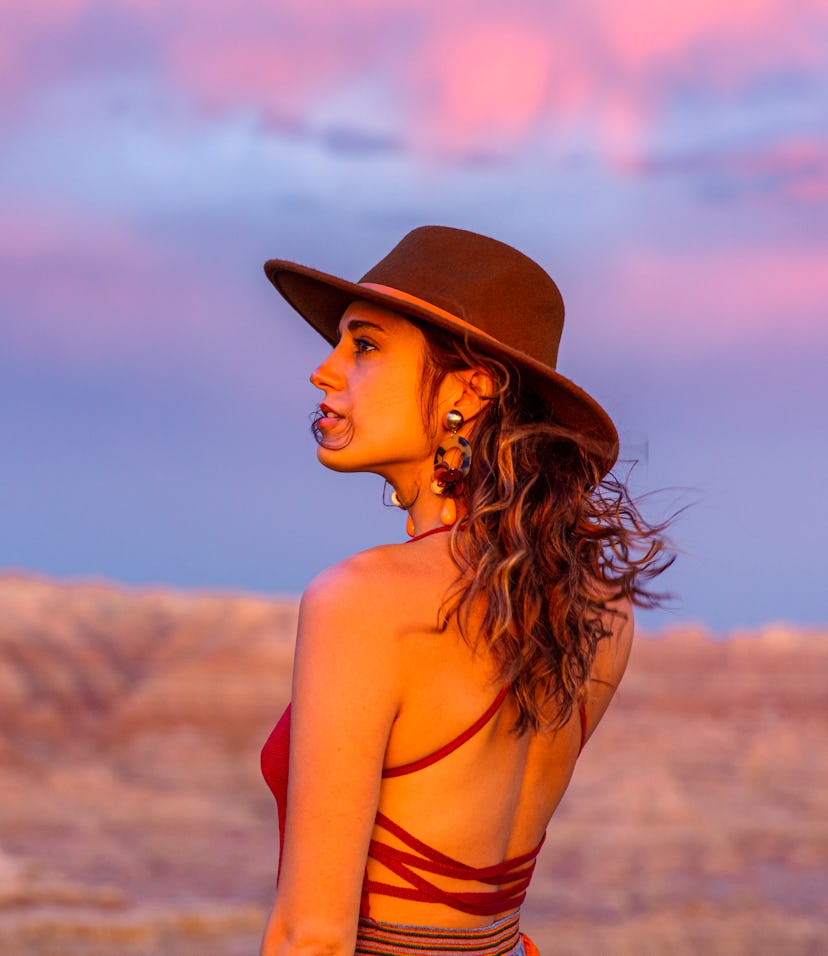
(667, 163)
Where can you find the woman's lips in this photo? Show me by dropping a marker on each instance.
(327, 423)
(329, 419)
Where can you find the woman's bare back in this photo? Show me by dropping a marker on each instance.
(492, 798)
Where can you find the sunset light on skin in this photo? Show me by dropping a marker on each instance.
(667, 163)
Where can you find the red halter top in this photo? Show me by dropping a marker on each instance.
(512, 876)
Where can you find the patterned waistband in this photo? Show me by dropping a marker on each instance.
(501, 938)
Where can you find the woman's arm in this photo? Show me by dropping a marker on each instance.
(346, 694)
(610, 662)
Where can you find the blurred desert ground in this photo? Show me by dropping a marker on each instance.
(133, 818)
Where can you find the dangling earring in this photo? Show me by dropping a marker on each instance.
(448, 513)
(448, 482)
(409, 524)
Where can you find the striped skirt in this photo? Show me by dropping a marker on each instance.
(501, 938)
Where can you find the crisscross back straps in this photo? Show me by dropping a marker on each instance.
(515, 872)
(452, 745)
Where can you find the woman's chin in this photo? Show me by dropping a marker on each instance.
(337, 459)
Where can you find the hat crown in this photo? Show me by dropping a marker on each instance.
(484, 282)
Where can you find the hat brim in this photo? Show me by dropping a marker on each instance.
(321, 299)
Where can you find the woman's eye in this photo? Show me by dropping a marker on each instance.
(363, 345)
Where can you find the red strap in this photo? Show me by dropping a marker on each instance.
(516, 872)
(425, 534)
(482, 903)
(393, 858)
(446, 865)
(452, 745)
(478, 904)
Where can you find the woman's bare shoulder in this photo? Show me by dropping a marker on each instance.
(610, 660)
(367, 592)
(379, 570)
(346, 631)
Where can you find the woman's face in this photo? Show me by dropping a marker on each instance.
(371, 413)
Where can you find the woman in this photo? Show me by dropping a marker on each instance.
(443, 688)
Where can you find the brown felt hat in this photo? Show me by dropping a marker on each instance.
(495, 297)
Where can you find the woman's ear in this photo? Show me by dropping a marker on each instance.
(469, 391)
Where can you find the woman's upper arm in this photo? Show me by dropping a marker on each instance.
(346, 693)
(610, 662)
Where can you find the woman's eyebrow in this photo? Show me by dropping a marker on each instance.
(355, 325)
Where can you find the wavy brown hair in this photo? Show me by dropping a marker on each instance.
(547, 543)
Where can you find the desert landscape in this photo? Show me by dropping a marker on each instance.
(134, 820)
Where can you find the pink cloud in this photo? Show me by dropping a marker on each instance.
(263, 69)
(640, 32)
(35, 232)
(461, 74)
(802, 163)
(482, 83)
(719, 297)
(84, 291)
(796, 169)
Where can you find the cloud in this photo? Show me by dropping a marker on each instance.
(462, 77)
(483, 83)
(721, 298)
(368, 82)
(796, 169)
(82, 291)
(642, 33)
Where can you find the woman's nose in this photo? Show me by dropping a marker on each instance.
(326, 376)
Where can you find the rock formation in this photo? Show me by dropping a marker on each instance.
(133, 818)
